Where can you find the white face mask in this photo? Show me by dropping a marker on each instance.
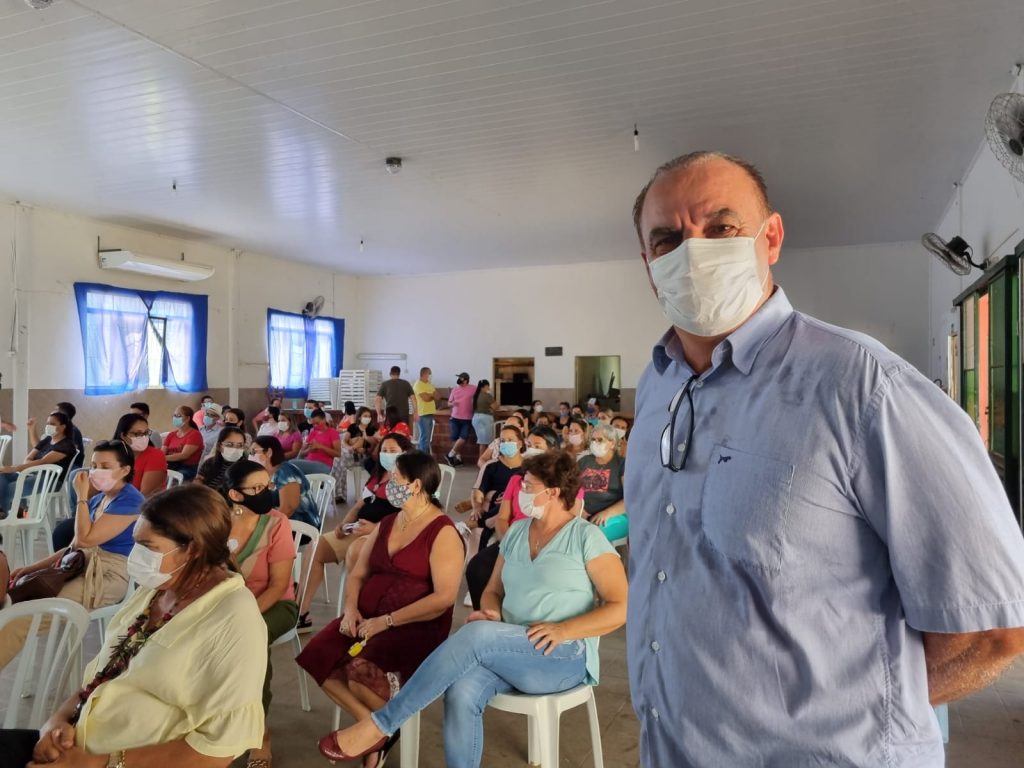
(600, 450)
(709, 286)
(282, 426)
(139, 444)
(527, 507)
(576, 439)
(620, 432)
(231, 454)
(50, 430)
(365, 421)
(144, 566)
(531, 451)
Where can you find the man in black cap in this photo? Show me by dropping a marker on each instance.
(461, 402)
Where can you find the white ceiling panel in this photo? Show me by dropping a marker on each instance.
(514, 117)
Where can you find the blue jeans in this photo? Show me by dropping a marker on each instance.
(483, 425)
(426, 432)
(7, 482)
(479, 661)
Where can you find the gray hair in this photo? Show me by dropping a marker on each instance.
(699, 158)
(607, 431)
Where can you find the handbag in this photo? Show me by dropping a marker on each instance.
(48, 582)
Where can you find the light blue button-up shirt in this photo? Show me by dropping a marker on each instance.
(835, 504)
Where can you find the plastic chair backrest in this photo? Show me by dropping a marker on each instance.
(447, 483)
(5, 442)
(48, 662)
(46, 478)
(321, 486)
(173, 478)
(497, 431)
(300, 529)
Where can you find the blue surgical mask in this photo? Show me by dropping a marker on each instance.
(178, 421)
(209, 421)
(509, 449)
(307, 412)
(388, 460)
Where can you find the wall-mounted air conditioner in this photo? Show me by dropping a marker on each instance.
(169, 269)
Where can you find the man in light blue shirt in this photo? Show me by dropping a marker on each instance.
(820, 547)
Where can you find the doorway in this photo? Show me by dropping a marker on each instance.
(599, 376)
(513, 381)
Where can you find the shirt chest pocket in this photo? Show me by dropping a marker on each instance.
(745, 507)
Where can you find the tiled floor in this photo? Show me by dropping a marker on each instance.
(987, 730)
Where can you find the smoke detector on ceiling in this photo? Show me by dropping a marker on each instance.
(393, 165)
(38, 5)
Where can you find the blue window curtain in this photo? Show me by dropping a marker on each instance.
(115, 324)
(301, 348)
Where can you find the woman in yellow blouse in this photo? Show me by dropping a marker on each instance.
(185, 699)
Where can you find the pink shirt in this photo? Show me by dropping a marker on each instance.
(289, 439)
(461, 401)
(512, 495)
(279, 547)
(326, 437)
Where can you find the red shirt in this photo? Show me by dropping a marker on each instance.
(401, 428)
(150, 460)
(174, 444)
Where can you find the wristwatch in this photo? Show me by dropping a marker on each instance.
(116, 759)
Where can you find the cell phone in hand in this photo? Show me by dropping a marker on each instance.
(349, 527)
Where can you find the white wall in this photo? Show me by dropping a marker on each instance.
(993, 216)
(461, 321)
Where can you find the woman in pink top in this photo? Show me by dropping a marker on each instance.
(289, 437)
(323, 444)
(261, 541)
(460, 400)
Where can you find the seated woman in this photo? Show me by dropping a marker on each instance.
(492, 451)
(183, 445)
(342, 545)
(57, 447)
(577, 438)
(268, 427)
(322, 443)
(621, 426)
(557, 587)
(393, 424)
(489, 492)
(267, 416)
(601, 478)
(150, 474)
(289, 487)
(178, 679)
(359, 441)
(261, 540)
(564, 415)
(289, 437)
(480, 567)
(103, 528)
(398, 599)
(536, 410)
(229, 448)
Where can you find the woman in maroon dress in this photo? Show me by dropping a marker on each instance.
(398, 598)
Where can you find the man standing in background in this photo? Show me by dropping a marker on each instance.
(425, 399)
(398, 392)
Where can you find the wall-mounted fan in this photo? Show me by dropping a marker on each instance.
(955, 254)
(312, 308)
(1004, 128)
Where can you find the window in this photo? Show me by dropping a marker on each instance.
(137, 339)
(302, 348)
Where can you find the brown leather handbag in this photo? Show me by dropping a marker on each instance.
(48, 582)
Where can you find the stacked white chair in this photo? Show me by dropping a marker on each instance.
(49, 667)
(36, 521)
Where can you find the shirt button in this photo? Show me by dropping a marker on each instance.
(661, 576)
(655, 646)
(671, 509)
(654, 713)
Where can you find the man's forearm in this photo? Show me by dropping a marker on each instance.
(960, 664)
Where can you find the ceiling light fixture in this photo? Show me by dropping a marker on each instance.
(393, 165)
(38, 5)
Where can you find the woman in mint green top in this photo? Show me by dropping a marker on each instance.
(537, 631)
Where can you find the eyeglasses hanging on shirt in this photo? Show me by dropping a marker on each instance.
(673, 455)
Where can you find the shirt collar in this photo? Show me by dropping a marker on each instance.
(745, 342)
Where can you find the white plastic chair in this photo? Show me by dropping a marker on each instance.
(5, 442)
(444, 491)
(941, 714)
(36, 520)
(322, 487)
(300, 529)
(173, 478)
(356, 486)
(545, 713)
(58, 501)
(102, 616)
(50, 664)
(497, 431)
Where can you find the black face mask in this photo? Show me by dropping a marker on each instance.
(260, 503)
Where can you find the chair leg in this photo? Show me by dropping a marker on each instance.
(533, 751)
(595, 731)
(409, 744)
(337, 714)
(327, 589)
(547, 734)
(303, 682)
